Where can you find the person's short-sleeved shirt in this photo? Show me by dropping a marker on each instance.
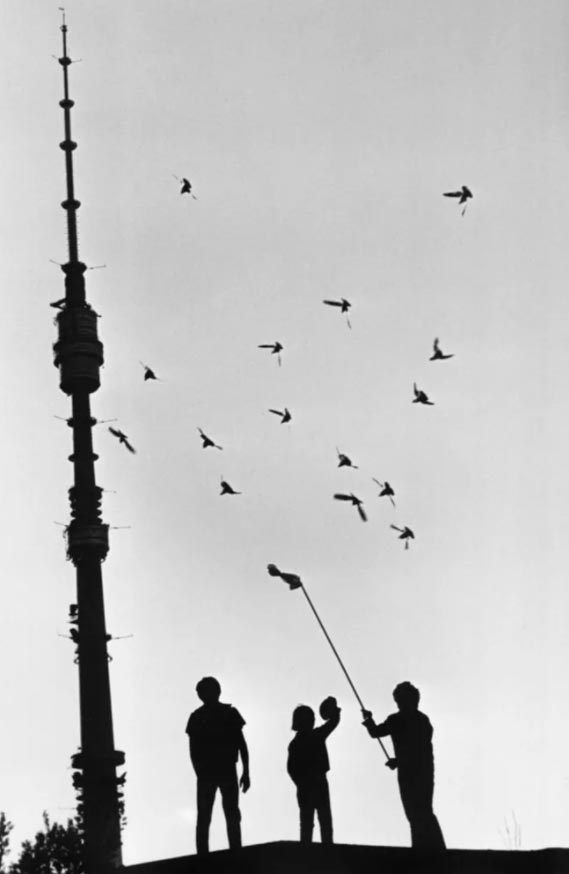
(215, 732)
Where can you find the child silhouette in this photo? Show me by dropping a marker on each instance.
(308, 765)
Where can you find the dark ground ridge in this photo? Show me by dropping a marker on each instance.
(289, 857)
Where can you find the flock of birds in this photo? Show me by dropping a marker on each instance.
(420, 397)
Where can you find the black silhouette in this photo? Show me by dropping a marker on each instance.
(405, 534)
(437, 353)
(276, 349)
(358, 504)
(122, 438)
(226, 489)
(186, 187)
(215, 732)
(344, 460)
(421, 397)
(207, 441)
(148, 372)
(307, 765)
(411, 733)
(386, 490)
(285, 415)
(344, 307)
(292, 580)
(463, 195)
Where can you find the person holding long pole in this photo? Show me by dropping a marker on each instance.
(411, 733)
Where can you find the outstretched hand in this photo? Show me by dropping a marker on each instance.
(391, 764)
(245, 782)
(367, 715)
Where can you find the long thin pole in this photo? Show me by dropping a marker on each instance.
(340, 662)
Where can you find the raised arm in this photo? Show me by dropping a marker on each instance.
(380, 730)
(329, 725)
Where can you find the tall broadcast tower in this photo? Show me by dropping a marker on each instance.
(78, 354)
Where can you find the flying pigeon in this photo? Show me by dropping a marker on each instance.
(343, 304)
(292, 580)
(405, 534)
(386, 490)
(344, 460)
(464, 194)
(122, 438)
(355, 501)
(207, 441)
(148, 372)
(276, 349)
(187, 187)
(437, 353)
(421, 397)
(226, 489)
(285, 415)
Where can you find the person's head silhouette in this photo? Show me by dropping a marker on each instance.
(406, 696)
(208, 690)
(302, 718)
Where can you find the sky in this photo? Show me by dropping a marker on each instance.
(319, 138)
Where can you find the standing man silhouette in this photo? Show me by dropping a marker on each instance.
(411, 733)
(215, 732)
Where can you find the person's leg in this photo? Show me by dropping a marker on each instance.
(205, 797)
(417, 798)
(305, 797)
(324, 811)
(230, 799)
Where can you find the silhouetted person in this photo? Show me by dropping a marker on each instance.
(411, 733)
(307, 766)
(216, 738)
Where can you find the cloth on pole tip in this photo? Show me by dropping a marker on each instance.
(292, 580)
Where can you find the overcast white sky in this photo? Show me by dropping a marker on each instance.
(319, 137)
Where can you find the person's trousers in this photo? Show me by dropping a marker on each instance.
(206, 791)
(314, 796)
(417, 798)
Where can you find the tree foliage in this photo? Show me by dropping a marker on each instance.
(5, 829)
(56, 849)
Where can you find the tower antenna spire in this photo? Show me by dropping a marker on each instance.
(71, 204)
(78, 353)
